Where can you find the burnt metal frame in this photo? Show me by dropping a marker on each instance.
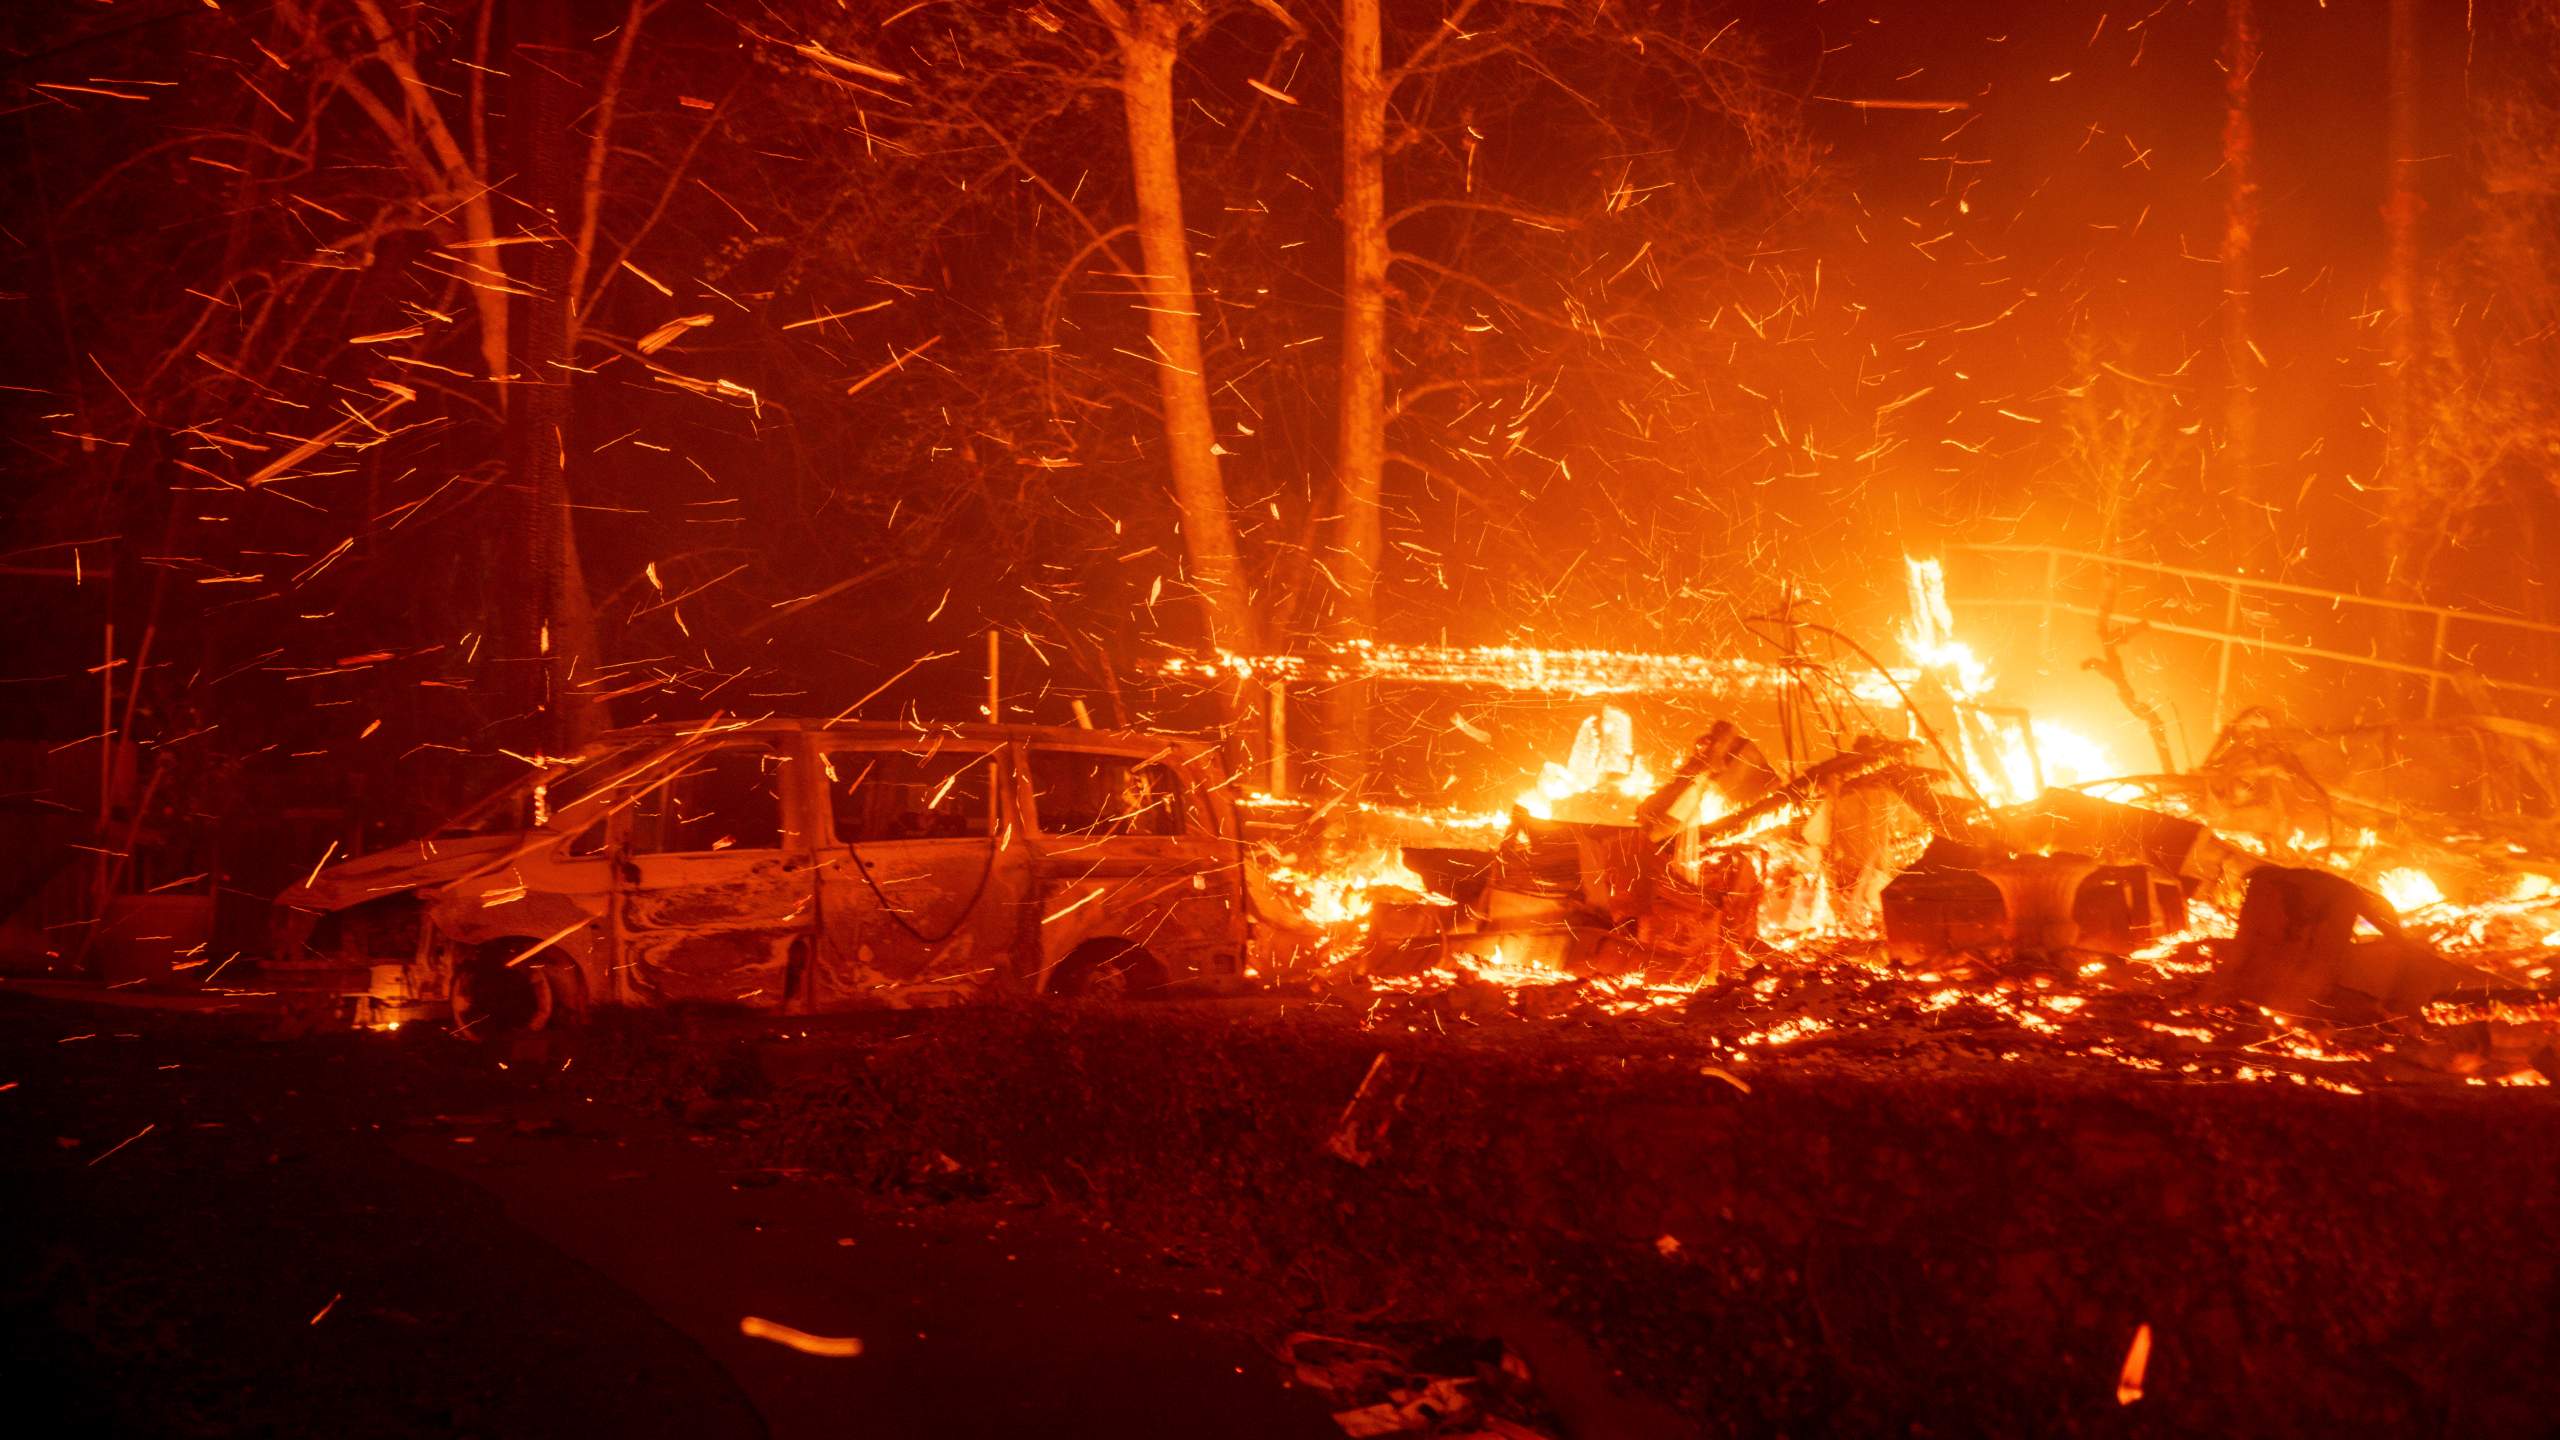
(2230, 636)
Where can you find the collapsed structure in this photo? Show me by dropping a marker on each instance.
(2376, 894)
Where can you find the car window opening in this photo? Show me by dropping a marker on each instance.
(726, 799)
(900, 795)
(1083, 793)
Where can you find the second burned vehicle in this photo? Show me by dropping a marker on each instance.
(790, 865)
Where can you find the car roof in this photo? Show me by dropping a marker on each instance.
(1133, 741)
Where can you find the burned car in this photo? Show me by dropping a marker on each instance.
(791, 865)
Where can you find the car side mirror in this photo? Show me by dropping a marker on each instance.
(625, 869)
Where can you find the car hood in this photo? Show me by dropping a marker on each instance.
(415, 866)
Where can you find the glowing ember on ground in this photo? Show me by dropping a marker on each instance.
(1806, 984)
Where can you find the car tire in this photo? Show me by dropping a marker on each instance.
(1106, 970)
(494, 1000)
(567, 981)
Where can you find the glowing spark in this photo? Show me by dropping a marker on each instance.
(2137, 1359)
(838, 1346)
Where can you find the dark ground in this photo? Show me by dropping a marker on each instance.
(1957, 1242)
(1850, 1245)
(360, 1235)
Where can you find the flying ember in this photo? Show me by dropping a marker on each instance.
(1441, 720)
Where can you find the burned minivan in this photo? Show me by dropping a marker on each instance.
(791, 865)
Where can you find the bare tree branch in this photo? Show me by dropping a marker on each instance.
(599, 147)
(1538, 218)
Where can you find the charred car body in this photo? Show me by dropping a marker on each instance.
(791, 865)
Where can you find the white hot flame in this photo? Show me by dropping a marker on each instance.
(1996, 756)
(2408, 889)
(1603, 761)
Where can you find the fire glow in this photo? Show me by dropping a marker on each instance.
(2143, 1011)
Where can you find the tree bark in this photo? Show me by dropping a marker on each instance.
(1148, 32)
(582, 252)
(2411, 508)
(443, 164)
(1362, 444)
(551, 629)
(2239, 236)
(2402, 468)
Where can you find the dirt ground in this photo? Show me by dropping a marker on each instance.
(1580, 1230)
(1951, 1243)
(369, 1235)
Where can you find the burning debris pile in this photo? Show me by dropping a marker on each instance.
(1986, 887)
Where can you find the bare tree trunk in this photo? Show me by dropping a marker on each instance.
(2410, 506)
(1148, 32)
(2239, 236)
(552, 620)
(442, 162)
(582, 252)
(2401, 465)
(1361, 465)
(546, 618)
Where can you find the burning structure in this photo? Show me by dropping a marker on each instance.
(1975, 869)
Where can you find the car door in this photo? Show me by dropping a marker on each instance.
(921, 874)
(713, 893)
(1218, 831)
(1127, 850)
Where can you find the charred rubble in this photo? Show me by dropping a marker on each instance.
(2229, 922)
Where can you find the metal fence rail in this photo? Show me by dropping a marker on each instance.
(2231, 637)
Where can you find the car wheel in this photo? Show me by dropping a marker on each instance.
(493, 999)
(568, 986)
(1107, 970)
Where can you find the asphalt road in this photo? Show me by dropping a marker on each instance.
(214, 1235)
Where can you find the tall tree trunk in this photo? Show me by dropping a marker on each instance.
(2239, 236)
(2409, 503)
(2402, 468)
(552, 623)
(1362, 453)
(1149, 33)
(442, 162)
(582, 251)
